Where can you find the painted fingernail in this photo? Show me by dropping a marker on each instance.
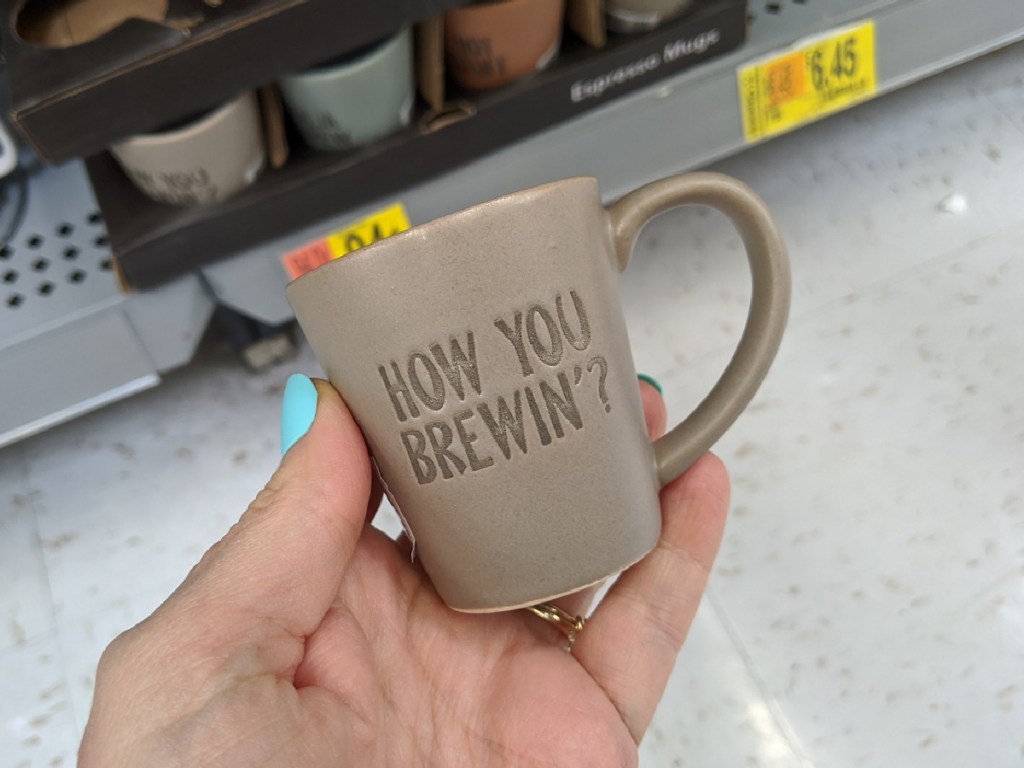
(297, 410)
(652, 381)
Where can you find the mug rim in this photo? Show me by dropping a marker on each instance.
(486, 6)
(519, 197)
(318, 73)
(146, 140)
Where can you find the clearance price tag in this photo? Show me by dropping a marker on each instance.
(385, 223)
(814, 78)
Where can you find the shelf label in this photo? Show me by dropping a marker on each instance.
(377, 226)
(816, 77)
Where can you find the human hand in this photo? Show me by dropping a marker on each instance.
(307, 638)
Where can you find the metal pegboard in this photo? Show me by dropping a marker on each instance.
(56, 263)
(70, 341)
(680, 123)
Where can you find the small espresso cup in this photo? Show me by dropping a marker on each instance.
(201, 161)
(491, 44)
(485, 357)
(642, 15)
(356, 99)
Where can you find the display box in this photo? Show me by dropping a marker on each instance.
(155, 243)
(86, 73)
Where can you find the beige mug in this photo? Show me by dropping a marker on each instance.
(486, 360)
(199, 162)
(494, 43)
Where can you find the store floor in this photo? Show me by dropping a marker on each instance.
(868, 604)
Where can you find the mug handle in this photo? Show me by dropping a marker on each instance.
(766, 318)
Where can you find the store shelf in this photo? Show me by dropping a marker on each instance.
(155, 242)
(98, 344)
(680, 123)
(70, 341)
(71, 101)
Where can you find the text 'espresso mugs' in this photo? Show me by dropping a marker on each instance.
(486, 360)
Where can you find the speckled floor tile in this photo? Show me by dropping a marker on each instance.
(878, 498)
(26, 612)
(36, 724)
(715, 713)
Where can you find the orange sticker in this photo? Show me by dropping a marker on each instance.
(784, 79)
(307, 258)
(368, 230)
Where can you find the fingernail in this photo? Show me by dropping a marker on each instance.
(297, 410)
(652, 381)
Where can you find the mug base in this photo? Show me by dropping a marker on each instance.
(557, 595)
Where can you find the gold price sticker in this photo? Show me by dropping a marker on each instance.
(377, 226)
(814, 78)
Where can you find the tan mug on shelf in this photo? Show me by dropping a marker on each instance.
(486, 360)
(201, 161)
(494, 43)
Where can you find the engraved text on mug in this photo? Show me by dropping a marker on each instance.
(323, 125)
(188, 186)
(476, 56)
(543, 340)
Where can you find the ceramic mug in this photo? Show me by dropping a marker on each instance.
(485, 357)
(642, 15)
(356, 99)
(205, 160)
(492, 44)
(64, 24)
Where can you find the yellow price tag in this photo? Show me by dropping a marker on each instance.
(384, 223)
(374, 227)
(814, 78)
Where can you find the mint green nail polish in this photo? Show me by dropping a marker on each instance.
(298, 410)
(652, 381)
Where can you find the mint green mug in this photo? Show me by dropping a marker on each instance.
(354, 100)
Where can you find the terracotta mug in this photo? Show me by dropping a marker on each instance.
(73, 22)
(201, 160)
(486, 360)
(492, 44)
(642, 15)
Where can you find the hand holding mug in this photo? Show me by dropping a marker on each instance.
(307, 638)
(498, 393)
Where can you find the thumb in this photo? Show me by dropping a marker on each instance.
(281, 565)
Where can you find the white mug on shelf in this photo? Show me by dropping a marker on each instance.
(199, 161)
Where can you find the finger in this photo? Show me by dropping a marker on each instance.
(630, 644)
(581, 603)
(281, 565)
(376, 496)
(655, 415)
(404, 544)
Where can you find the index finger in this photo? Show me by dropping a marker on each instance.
(630, 644)
(279, 568)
